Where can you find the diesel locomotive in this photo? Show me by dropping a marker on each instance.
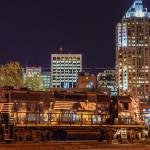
(26, 115)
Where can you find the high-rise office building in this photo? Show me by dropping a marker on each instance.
(133, 52)
(65, 69)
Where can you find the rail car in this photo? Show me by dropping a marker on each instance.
(30, 115)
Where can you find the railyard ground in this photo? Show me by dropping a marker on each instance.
(86, 145)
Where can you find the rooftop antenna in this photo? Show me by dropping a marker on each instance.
(61, 50)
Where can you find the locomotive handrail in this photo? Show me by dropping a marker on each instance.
(60, 119)
(63, 119)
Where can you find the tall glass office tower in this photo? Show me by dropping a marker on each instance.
(133, 52)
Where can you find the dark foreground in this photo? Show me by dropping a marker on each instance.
(88, 145)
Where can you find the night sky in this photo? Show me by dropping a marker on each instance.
(30, 30)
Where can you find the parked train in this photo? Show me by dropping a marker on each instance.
(26, 115)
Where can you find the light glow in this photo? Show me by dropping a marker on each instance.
(137, 10)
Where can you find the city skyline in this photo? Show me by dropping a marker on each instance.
(75, 72)
(31, 31)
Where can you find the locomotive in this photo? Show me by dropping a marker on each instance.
(26, 115)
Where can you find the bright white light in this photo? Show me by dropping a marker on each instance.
(137, 10)
(139, 13)
(125, 76)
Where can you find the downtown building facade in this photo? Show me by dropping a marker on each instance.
(86, 81)
(133, 52)
(32, 70)
(65, 69)
(107, 80)
(34, 76)
(46, 80)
